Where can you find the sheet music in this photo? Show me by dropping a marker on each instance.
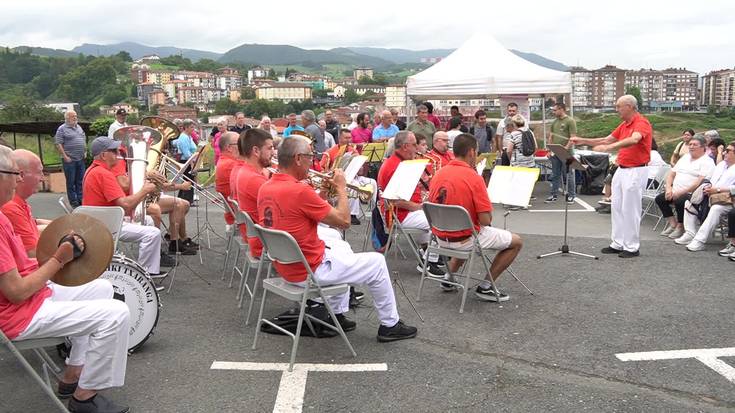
(481, 166)
(404, 180)
(354, 167)
(512, 185)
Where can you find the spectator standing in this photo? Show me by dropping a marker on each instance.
(71, 142)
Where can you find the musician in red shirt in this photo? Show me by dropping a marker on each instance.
(633, 139)
(440, 155)
(256, 150)
(458, 183)
(409, 212)
(17, 209)
(229, 157)
(101, 188)
(288, 204)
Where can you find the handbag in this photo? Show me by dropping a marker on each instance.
(720, 198)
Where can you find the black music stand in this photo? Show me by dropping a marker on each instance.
(374, 151)
(571, 162)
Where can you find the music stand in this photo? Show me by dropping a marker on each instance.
(374, 151)
(571, 162)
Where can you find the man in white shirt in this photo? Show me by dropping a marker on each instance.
(120, 122)
(502, 136)
(722, 179)
(685, 177)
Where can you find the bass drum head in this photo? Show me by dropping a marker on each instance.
(133, 287)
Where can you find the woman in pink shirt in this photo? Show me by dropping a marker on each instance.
(221, 128)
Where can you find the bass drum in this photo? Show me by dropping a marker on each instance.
(134, 287)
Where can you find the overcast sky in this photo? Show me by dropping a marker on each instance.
(697, 35)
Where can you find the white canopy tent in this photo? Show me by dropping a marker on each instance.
(484, 68)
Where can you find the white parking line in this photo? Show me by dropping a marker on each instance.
(291, 390)
(708, 356)
(587, 207)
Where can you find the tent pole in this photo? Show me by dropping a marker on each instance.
(543, 117)
(571, 105)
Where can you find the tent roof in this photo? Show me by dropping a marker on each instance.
(483, 67)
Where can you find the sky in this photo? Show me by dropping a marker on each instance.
(629, 34)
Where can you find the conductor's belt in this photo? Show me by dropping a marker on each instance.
(632, 166)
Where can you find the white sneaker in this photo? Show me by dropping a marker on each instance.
(695, 246)
(685, 239)
(676, 233)
(667, 230)
(729, 249)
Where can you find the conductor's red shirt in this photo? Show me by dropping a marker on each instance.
(640, 153)
(100, 187)
(459, 184)
(248, 182)
(386, 173)
(292, 206)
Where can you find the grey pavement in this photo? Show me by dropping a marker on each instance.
(552, 351)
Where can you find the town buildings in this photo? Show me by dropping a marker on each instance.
(718, 88)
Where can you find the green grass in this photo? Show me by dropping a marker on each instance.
(30, 142)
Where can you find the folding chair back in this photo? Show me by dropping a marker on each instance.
(447, 218)
(281, 246)
(112, 217)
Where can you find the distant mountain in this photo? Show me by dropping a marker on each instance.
(401, 56)
(44, 51)
(283, 54)
(138, 50)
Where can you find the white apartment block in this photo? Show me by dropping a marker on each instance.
(718, 88)
(284, 91)
(395, 97)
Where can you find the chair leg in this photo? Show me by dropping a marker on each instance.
(234, 267)
(423, 277)
(260, 320)
(337, 324)
(255, 288)
(243, 278)
(467, 271)
(227, 252)
(302, 311)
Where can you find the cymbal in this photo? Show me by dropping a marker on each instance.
(95, 258)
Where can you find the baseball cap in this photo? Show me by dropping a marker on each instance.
(121, 112)
(103, 143)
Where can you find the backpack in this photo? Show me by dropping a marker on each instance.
(528, 143)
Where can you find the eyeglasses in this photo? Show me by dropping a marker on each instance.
(16, 173)
(310, 155)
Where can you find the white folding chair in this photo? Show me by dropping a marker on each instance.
(281, 247)
(112, 217)
(397, 230)
(65, 205)
(230, 234)
(452, 218)
(650, 193)
(47, 364)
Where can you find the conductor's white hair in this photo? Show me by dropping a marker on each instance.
(629, 100)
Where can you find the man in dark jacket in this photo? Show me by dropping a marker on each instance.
(483, 131)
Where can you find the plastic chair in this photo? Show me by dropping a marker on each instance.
(112, 217)
(650, 193)
(230, 234)
(281, 247)
(451, 218)
(47, 364)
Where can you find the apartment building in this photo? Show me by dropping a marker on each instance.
(361, 72)
(650, 82)
(718, 88)
(395, 97)
(680, 85)
(284, 91)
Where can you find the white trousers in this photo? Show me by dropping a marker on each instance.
(701, 233)
(342, 265)
(325, 232)
(97, 326)
(417, 220)
(149, 250)
(355, 202)
(627, 193)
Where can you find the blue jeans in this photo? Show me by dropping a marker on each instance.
(557, 166)
(74, 173)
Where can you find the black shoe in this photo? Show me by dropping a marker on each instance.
(355, 297)
(189, 243)
(629, 254)
(570, 199)
(399, 331)
(488, 294)
(167, 260)
(346, 323)
(66, 390)
(432, 270)
(449, 288)
(181, 248)
(354, 220)
(610, 250)
(97, 404)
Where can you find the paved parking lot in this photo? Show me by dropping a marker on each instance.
(552, 351)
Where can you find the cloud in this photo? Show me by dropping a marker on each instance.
(626, 33)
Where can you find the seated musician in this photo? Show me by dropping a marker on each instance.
(31, 307)
(176, 208)
(343, 148)
(457, 183)
(409, 213)
(229, 158)
(102, 189)
(17, 209)
(256, 148)
(285, 203)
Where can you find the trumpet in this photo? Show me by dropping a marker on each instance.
(318, 180)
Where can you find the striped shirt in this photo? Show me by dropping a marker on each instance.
(73, 140)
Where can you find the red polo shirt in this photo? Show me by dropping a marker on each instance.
(14, 318)
(386, 173)
(292, 206)
(248, 181)
(100, 187)
(640, 153)
(222, 175)
(19, 213)
(459, 184)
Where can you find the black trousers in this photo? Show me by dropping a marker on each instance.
(665, 206)
(731, 223)
(188, 195)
